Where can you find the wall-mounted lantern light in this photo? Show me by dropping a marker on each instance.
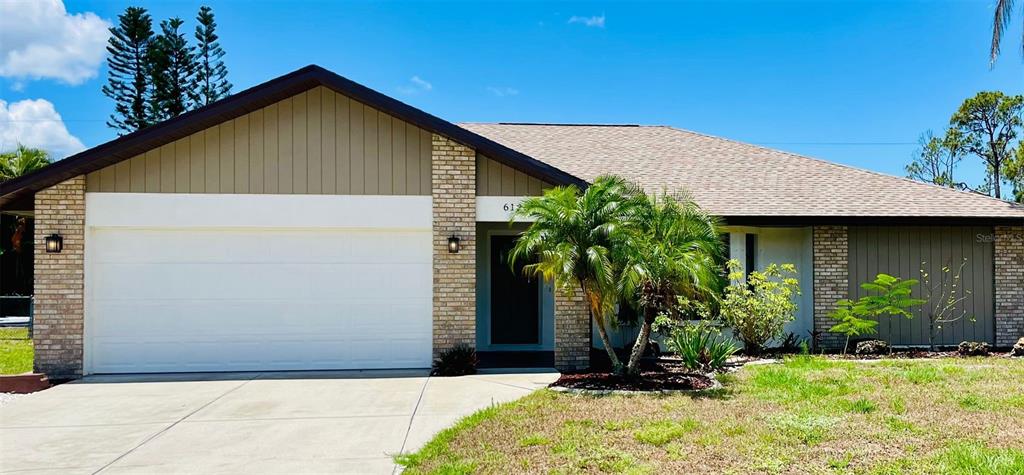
(453, 244)
(54, 243)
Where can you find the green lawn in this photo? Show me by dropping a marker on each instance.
(15, 351)
(807, 415)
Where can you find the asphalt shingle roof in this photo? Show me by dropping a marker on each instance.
(731, 178)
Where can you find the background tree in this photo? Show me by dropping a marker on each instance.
(171, 69)
(128, 74)
(989, 123)
(16, 265)
(22, 161)
(937, 158)
(210, 81)
(1003, 12)
(1015, 173)
(677, 252)
(573, 236)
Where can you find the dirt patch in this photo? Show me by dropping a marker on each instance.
(660, 376)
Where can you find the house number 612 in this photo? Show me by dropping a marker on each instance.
(511, 206)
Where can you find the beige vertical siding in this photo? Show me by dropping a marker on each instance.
(904, 251)
(317, 142)
(496, 179)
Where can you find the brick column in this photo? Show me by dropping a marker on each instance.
(572, 332)
(60, 280)
(1009, 284)
(831, 279)
(453, 179)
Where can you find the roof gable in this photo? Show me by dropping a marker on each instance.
(252, 99)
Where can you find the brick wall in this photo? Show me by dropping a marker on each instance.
(1009, 284)
(831, 278)
(59, 280)
(453, 181)
(572, 332)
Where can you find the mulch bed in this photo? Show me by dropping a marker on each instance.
(654, 376)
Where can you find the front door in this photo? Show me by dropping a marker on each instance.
(515, 298)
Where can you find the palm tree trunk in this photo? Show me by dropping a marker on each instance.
(594, 301)
(639, 346)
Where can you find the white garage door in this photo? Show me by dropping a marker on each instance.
(258, 292)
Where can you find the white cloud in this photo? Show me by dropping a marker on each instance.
(416, 84)
(502, 91)
(591, 21)
(35, 123)
(39, 39)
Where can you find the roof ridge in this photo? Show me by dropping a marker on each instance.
(849, 167)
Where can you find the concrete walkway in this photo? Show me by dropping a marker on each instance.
(299, 422)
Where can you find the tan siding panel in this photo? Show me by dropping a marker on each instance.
(329, 154)
(181, 165)
(213, 160)
(197, 162)
(242, 154)
(300, 159)
(316, 142)
(357, 155)
(123, 177)
(138, 171)
(167, 169)
(153, 171)
(256, 166)
(284, 147)
(497, 179)
(271, 150)
(343, 137)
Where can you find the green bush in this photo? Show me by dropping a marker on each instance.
(701, 346)
(759, 308)
(456, 361)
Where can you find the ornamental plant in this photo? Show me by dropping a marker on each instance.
(759, 308)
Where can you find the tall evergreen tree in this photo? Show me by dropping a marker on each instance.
(171, 69)
(210, 82)
(128, 81)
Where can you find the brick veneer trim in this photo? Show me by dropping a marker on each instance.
(831, 278)
(1009, 284)
(60, 280)
(453, 184)
(572, 332)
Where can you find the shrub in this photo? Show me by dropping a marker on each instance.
(759, 308)
(456, 361)
(973, 348)
(701, 346)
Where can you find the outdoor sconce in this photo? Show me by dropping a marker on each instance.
(54, 243)
(453, 244)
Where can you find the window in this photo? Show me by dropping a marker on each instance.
(750, 264)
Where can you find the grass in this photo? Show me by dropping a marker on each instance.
(806, 415)
(16, 351)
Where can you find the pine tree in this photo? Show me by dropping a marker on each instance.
(171, 70)
(128, 81)
(210, 83)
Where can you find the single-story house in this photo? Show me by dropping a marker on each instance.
(312, 223)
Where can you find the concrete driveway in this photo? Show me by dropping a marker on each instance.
(338, 422)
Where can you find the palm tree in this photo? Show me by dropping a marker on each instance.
(574, 236)
(1004, 8)
(22, 161)
(677, 253)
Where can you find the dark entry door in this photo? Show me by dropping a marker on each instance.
(515, 307)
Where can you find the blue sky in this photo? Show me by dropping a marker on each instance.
(850, 81)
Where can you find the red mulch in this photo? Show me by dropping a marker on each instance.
(660, 376)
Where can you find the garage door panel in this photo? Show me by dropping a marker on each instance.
(237, 300)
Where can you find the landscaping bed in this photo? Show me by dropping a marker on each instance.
(663, 376)
(805, 414)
